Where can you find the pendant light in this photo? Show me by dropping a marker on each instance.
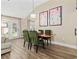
(33, 14)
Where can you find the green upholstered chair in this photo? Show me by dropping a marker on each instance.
(41, 32)
(26, 38)
(35, 40)
(48, 32)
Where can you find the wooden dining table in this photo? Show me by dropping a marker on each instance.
(45, 37)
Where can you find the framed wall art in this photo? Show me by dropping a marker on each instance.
(55, 16)
(43, 18)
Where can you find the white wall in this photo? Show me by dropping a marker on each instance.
(65, 33)
(23, 24)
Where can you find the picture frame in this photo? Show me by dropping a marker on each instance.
(43, 19)
(55, 16)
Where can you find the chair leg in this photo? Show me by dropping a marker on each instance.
(24, 43)
(50, 41)
(36, 48)
(45, 42)
(30, 46)
(43, 45)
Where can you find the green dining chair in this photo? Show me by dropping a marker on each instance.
(35, 40)
(26, 38)
(41, 32)
(48, 32)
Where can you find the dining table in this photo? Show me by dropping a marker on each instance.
(45, 37)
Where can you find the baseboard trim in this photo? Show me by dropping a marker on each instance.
(65, 45)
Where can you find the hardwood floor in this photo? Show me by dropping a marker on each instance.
(50, 52)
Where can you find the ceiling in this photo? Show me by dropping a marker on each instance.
(19, 8)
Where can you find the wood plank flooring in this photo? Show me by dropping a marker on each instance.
(50, 52)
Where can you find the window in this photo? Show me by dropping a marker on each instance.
(14, 30)
(4, 28)
(10, 28)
